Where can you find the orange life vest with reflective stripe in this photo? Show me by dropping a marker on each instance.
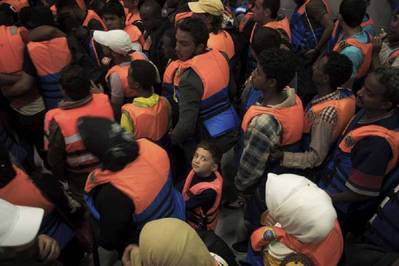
(140, 180)
(17, 4)
(365, 48)
(22, 191)
(11, 49)
(325, 253)
(135, 34)
(77, 158)
(282, 24)
(91, 14)
(131, 18)
(344, 107)
(149, 122)
(290, 118)
(210, 217)
(392, 137)
(222, 42)
(123, 71)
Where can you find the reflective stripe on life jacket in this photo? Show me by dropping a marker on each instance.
(22, 191)
(149, 122)
(304, 36)
(345, 108)
(78, 159)
(49, 58)
(383, 229)
(217, 115)
(365, 48)
(146, 181)
(222, 42)
(210, 217)
(122, 71)
(325, 253)
(282, 25)
(91, 14)
(290, 118)
(11, 49)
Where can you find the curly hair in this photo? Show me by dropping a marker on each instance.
(278, 64)
(144, 73)
(389, 78)
(265, 38)
(338, 68)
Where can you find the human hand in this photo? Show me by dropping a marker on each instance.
(266, 219)
(126, 255)
(49, 250)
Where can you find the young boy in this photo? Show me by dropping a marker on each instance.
(148, 116)
(202, 190)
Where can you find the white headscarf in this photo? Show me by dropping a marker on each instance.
(301, 208)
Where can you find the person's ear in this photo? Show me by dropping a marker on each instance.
(199, 49)
(214, 167)
(386, 105)
(271, 83)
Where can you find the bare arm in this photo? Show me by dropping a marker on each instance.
(23, 85)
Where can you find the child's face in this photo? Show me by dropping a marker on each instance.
(202, 163)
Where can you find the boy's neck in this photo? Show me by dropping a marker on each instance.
(146, 94)
(273, 98)
(324, 90)
(207, 174)
(376, 115)
(348, 31)
(121, 59)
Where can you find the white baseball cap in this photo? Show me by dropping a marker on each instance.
(117, 40)
(18, 224)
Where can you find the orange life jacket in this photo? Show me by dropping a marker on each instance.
(149, 122)
(168, 86)
(50, 58)
(282, 24)
(344, 107)
(122, 72)
(290, 118)
(244, 21)
(135, 34)
(216, 113)
(182, 15)
(365, 48)
(22, 191)
(132, 18)
(222, 42)
(11, 49)
(210, 217)
(392, 137)
(91, 14)
(78, 160)
(326, 253)
(17, 4)
(141, 180)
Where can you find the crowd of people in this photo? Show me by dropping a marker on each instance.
(127, 125)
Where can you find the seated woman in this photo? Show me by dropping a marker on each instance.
(301, 220)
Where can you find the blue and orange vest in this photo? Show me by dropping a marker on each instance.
(209, 218)
(50, 58)
(304, 37)
(340, 165)
(365, 48)
(217, 115)
(122, 72)
(149, 122)
(78, 159)
(290, 118)
(168, 86)
(146, 181)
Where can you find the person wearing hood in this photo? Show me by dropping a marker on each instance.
(304, 222)
(134, 178)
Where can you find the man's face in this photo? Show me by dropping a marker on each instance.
(259, 12)
(185, 46)
(113, 22)
(371, 95)
(319, 77)
(393, 32)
